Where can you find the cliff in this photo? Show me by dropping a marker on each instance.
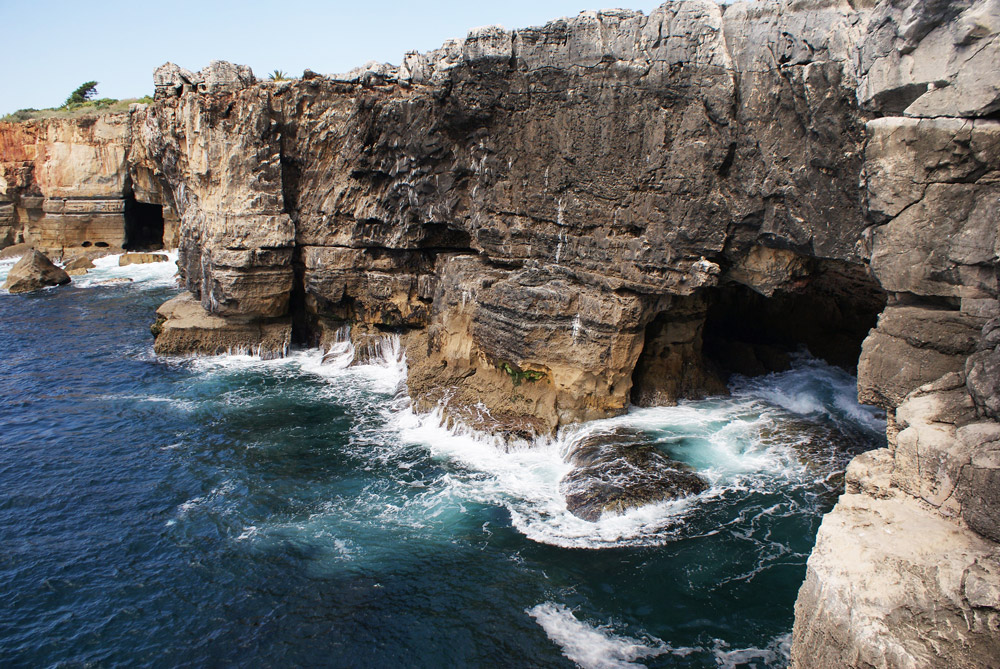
(619, 208)
(65, 188)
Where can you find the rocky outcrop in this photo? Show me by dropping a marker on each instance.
(184, 327)
(616, 472)
(141, 258)
(65, 186)
(622, 208)
(538, 208)
(905, 570)
(78, 263)
(34, 271)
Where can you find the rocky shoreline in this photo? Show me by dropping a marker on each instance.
(616, 209)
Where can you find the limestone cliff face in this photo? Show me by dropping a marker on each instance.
(65, 186)
(906, 570)
(527, 204)
(620, 208)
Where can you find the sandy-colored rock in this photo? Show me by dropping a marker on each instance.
(34, 271)
(184, 327)
(16, 250)
(888, 585)
(78, 263)
(141, 258)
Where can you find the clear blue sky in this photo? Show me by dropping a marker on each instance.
(52, 46)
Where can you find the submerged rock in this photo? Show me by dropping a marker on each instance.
(621, 471)
(34, 271)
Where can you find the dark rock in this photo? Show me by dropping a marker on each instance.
(621, 471)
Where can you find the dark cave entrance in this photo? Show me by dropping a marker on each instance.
(697, 342)
(143, 225)
(829, 312)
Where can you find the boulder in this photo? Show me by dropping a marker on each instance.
(34, 271)
(621, 471)
(78, 263)
(141, 258)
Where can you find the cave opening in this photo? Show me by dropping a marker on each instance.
(143, 225)
(829, 312)
(695, 343)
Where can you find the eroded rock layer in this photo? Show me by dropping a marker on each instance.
(66, 188)
(619, 208)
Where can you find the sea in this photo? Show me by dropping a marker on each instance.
(236, 511)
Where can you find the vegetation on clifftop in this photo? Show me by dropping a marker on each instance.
(79, 103)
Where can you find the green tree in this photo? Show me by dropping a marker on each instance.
(278, 75)
(82, 94)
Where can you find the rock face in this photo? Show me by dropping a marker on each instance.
(65, 186)
(905, 571)
(34, 271)
(621, 208)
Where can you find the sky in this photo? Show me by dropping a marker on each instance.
(53, 46)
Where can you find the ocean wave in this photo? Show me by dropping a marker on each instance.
(762, 440)
(597, 646)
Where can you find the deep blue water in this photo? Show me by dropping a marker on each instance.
(238, 512)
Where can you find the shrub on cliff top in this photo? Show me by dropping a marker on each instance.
(86, 91)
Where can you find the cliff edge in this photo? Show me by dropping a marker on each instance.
(620, 208)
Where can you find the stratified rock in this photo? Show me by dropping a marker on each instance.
(620, 471)
(184, 327)
(910, 347)
(891, 585)
(34, 271)
(563, 219)
(141, 258)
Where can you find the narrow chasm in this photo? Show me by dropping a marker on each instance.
(143, 225)
(827, 312)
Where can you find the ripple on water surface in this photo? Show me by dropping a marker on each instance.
(296, 511)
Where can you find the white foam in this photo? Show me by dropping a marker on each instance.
(776, 653)
(5, 266)
(595, 646)
(736, 443)
(383, 372)
(524, 478)
(145, 275)
(183, 405)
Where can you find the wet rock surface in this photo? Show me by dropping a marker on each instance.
(620, 471)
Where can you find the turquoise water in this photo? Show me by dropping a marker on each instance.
(239, 512)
